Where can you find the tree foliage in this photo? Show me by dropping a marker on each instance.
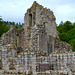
(67, 33)
(3, 28)
(11, 23)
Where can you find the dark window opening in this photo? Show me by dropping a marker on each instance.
(30, 19)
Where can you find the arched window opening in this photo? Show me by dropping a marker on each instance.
(30, 19)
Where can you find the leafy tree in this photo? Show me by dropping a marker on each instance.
(19, 23)
(74, 25)
(7, 22)
(73, 44)
(3, 28)
(16, 23)
(67, 33)
(13, 23)
(64, 27)
(71, 33)
(64, 37)
(60, 28)
(61, 23)
(10, 23)
(22, 23)
(67, 26)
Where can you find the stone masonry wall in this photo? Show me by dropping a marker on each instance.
(37, 63)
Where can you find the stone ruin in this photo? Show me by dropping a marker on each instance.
(36, 48)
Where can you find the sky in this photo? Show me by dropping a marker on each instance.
(14, 10)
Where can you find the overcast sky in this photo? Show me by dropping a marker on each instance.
(14, 10)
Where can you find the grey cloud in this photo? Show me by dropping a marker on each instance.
(14, 10)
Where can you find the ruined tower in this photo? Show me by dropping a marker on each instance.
(38, 15)
(39, 25)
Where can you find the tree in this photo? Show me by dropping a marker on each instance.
(73, 44)
(22, 23)
(19, 23)
(13, 23)
(67, 26)
(16, 23)
(64, 37)
(1, 22)
(71, 33)
(61, 23)
(74, 25)
(3, 28)
(64, 27)
(67, 33)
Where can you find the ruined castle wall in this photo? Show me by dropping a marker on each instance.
(41, 16)
(9, 37)
(27, 61)
(13, 36)
(61, 46)
(45, 17)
